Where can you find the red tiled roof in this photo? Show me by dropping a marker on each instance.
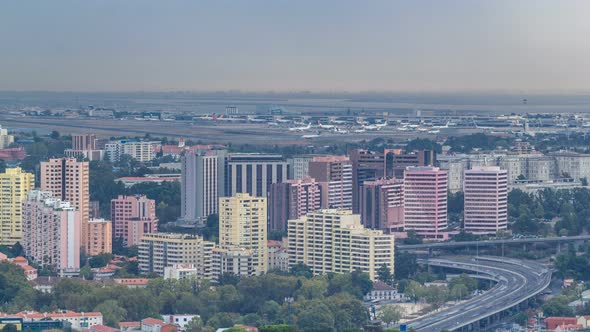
(129, 324)
(552, 323)
(152, 321)
(19, 259)
(102, 328)
(55, 315)
(132, 281)
(273, 243)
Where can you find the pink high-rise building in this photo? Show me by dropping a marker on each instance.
(334, 175)
(83, 142)
(486, 200)
(133, 216)
(425, 196)
(292, 199)
(68, 180)
(51, 231)
(382, 204)
(100, 236)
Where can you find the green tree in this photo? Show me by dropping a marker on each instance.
(277, 328)
(9, 328)
(390, 314)
(100, 260)
(557, 306)
(314, 288)
(384, 274)
(315, 316)
(86, 273)
(405, 265)
(301, 270)
(270, 310)
(195, 325)
(459, 292)
(223, 319)
(229, 278)
(111, 311)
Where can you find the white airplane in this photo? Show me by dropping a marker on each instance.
(370, 127)
(281, 120)
(310, 136)
(253, 119)
(325, 126)
(340, 122)
(301, 128)
(358, 131)
(381, 125)
(436, 131)
(442, 127)
(340, 130)
(403, 128)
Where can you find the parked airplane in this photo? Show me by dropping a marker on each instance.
(301, 128)
(325, 126)
(310, 136)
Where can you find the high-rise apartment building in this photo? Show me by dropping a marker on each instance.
(5, 138)
(160, 250)
(68, 180)
(201, 184)
(133, 217)
(100, 237)
(382, 204)
(486, 200)
(299, 166)
(83, 142)
(397, 160)
(141, 151)
(425, 201)
(253, 173)
(84, 146)
(292, 199)
(366, 166)
(51, 231)
(336, 241)
(242, 223)
(334, 175)
(15, 184)
(238, 261)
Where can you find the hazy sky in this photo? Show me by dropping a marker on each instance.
(253, 45)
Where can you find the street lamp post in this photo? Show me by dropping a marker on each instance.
(289, 300)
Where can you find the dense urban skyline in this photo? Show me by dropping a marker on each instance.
(286, 46)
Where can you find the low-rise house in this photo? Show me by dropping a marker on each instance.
(45, 284)
(551, 323)
(102, 328)
(129, 326)
(179, 320)
(156, 325)
(384, 292)
(584, 321)
(132, 282)
(78, 320)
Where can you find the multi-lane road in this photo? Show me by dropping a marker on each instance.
(516, 281)
(443, 245)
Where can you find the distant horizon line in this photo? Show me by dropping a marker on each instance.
(320, 92)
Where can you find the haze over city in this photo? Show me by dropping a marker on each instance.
(426, 45)
(295, 166)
